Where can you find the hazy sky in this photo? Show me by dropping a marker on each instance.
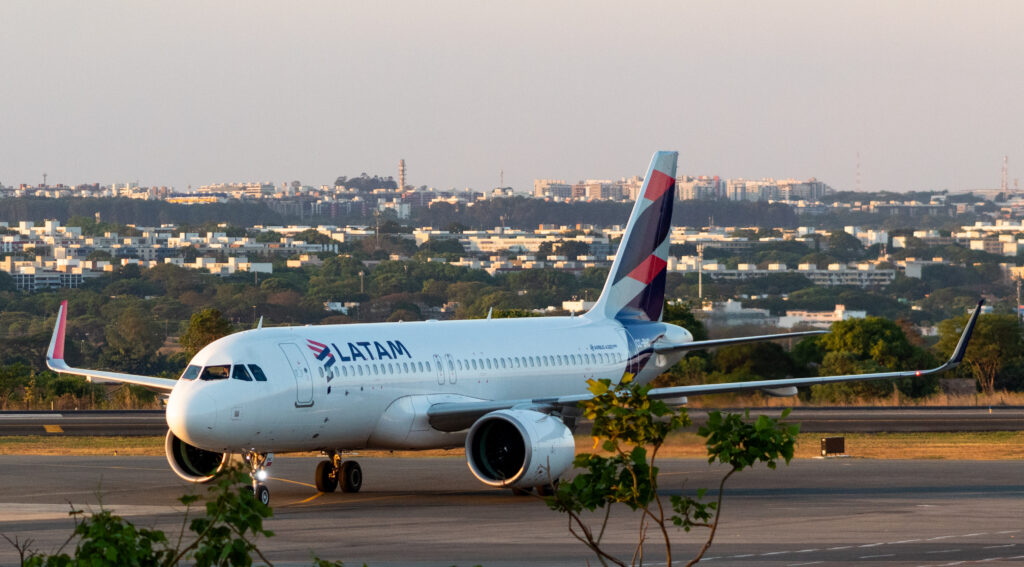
(187, 93)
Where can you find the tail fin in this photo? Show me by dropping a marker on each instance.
(635, 288)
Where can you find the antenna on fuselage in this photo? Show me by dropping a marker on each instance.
(489, 311)
(260, 324)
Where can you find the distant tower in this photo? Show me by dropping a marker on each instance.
(502, 178)
(858, 171)
(44, 180)
(401, 175)
(1004, 185)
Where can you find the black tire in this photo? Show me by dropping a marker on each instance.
(350, 477)
(326, 479)
(263, 494)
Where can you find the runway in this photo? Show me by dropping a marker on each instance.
(811, 420)
(430, 511)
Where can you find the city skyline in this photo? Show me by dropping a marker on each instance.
(904, 95)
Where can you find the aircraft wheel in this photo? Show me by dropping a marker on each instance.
(326, 477)
(263, 494)
(350, 476)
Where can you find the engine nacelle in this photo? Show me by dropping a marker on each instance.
(519, 448)
(192, 463)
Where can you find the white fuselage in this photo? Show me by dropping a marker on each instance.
(373, 385)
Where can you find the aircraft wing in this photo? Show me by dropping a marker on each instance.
(455, 416)
(55, 361)
(662, 347)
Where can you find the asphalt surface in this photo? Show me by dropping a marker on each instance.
(811, 420)
(430, 511)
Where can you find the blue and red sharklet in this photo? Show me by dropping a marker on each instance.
(635, 288)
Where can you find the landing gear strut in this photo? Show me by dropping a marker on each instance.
(258, 463)
(333, 473)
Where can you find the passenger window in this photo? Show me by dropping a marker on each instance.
(474, 364)
(257, 373)
(532, 362)
(391, 369)
(191, 372)
(239, 373)
(405, 367)
(547, 361)
(488, 363)
(344, 371)
(219, 372)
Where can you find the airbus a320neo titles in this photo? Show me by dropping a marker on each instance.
(505, 389)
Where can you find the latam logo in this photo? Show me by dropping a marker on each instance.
(322, 351)
(359, 350)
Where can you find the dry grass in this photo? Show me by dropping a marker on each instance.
(936, 400)
(1000, 445)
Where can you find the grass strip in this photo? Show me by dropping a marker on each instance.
(988, 445)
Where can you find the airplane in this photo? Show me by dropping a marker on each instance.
(505, 389)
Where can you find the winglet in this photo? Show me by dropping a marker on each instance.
(965, 337)
(56, 350)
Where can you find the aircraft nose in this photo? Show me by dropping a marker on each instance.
(191, 415)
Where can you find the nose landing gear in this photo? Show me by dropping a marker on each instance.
(258, 463)
(334, 473)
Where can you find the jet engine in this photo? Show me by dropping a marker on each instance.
(519, 448)
(192, 463)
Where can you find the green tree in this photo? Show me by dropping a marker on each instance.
(204, 327)
(632, 428)
(995, 350)
(871, 344)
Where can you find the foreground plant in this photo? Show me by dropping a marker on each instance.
(225, 535)
(631, 428)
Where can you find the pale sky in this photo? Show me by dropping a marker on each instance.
(195, 92)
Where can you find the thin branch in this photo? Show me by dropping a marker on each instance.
(714, 525)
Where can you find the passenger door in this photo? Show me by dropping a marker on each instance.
(303, 377)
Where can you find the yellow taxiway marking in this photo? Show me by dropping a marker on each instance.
(295, 482)
(53, 429)
(311, 498)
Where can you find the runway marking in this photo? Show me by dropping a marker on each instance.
(1000, 546)
(871, 545)
(808, 563)
(1007, 532)
(943, 551)
(904, 541)
(53, 429)
(806, 550)
(877, 556)
(940, 537)
(773, 553)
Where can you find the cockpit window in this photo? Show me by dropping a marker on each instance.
(219, 372)
(239, 373)
(191, 372)
(257, 373)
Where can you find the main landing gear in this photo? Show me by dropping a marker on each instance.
(258, 463)
(333, 473)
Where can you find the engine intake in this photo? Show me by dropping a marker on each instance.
(192, 463)
(519, 448)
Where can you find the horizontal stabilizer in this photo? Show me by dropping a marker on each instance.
(662, 347)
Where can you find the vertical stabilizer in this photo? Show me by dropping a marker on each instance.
(635, 288)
